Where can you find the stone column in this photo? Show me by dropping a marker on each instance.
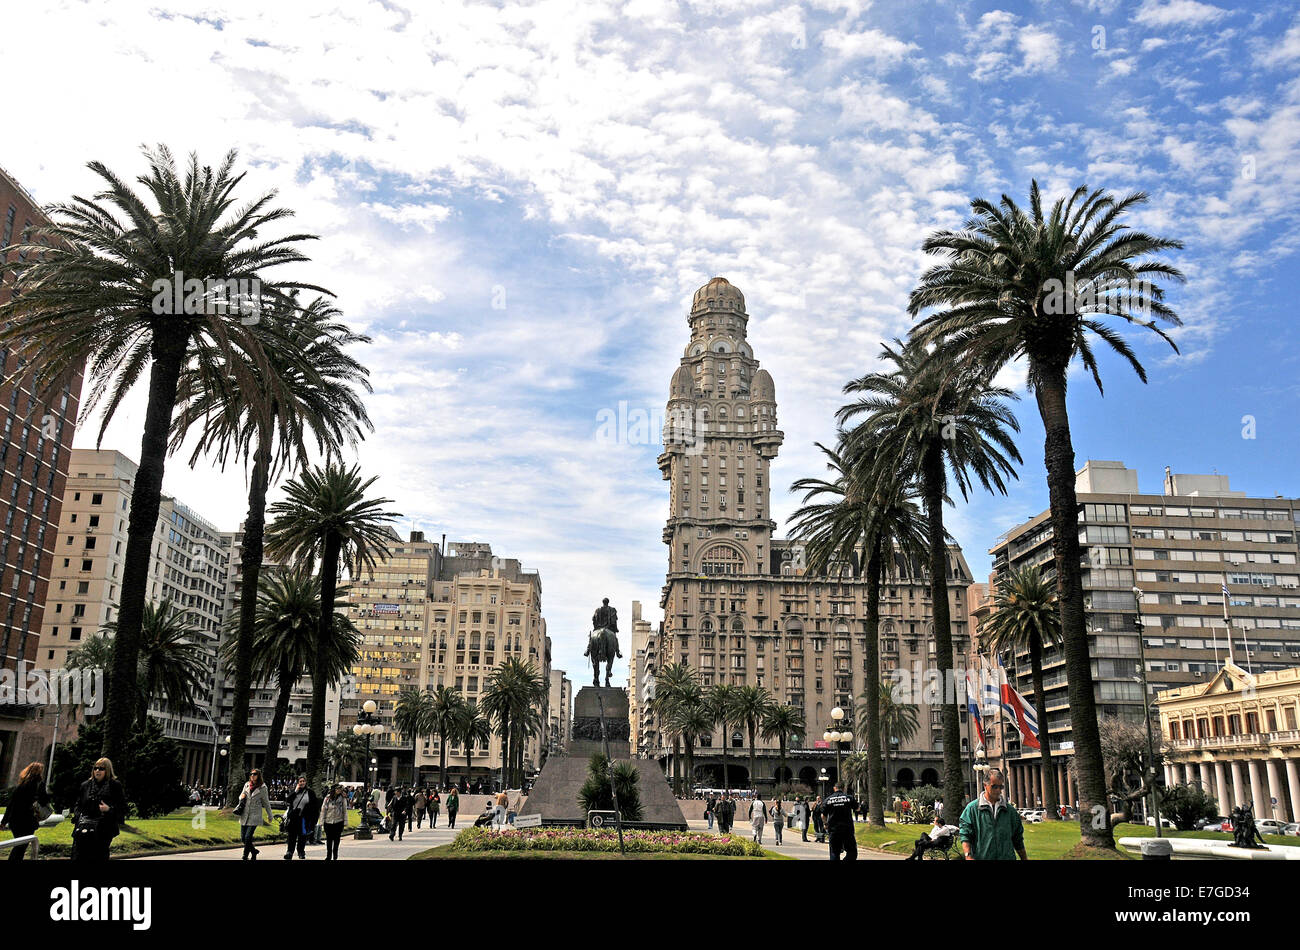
(1074, 791)
(1293, 785)
(1221, 787)
(1277, 811)
(1061, 771)
(1238, 789)
(1257, 797)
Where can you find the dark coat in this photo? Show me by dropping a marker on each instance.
(109, 792)
(19, 815)
(309, 811)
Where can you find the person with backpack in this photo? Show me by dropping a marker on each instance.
(300, 816)
(28, 806)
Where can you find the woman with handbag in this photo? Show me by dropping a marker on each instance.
(100, 809)
(28, 807)
(253, 800)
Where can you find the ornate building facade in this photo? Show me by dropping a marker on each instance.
(738, 605)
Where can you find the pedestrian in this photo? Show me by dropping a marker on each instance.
(29, 804)
(453, 806)
(804, 817)
(334, 816)
(435, 803)
(991, 829)
(758, 816)
(819, 825)
(300, 819)
(778, 818)
(837, 821)
(708, 810)
(421, 804)
(499, 815)
(254, 800)
(100, 808)
(397, 816)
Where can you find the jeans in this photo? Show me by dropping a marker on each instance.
(709, 816)
(333, 832)
(295, 838)
(776, 826)
(842, 840)
(451, 818)
(246, 833)
(433, 818)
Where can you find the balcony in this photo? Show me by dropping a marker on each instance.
(1251, 741)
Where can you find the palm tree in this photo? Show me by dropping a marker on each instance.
(675, 685)
(413, 716)
(445, 707)
(690, 720)
(285, 647)
(343, 750)
(99, 290)
(719, 699)
(326, 517)
(315, 397)
(936, 427)
(171, 665)
(869, 516)
(898, 719)
(513, 691)
(1026, 616)
(750, 707)
(472, 727)
(1040, 286)
(780, 723)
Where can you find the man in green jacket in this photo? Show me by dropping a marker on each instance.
(990, 827)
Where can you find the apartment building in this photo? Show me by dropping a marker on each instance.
(560, 713)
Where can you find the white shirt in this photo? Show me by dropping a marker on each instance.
(757, 809)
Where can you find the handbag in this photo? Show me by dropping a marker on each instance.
(86, 826)
(240, 808)
(41, 812)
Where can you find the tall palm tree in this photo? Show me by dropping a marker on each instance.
(750, 707)
(690, 720)
(868, 519)
(675, 685)
(317, 398)
(326, 518)
(1027, 616)
(1041, 285)
(445, 707)
(472, 727)
(345, 750)
(898, 719)
(99, 290)
(513, 690)
(172, 666)
(413, 717)
(781, 722)
(720, 699)
(937, 427)
(285, 647)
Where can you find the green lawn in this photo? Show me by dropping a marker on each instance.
(1050, 840)
(445, 853)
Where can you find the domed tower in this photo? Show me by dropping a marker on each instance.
(720, 437)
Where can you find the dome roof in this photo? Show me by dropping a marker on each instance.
(683, 382)
(718, 294)
(764, 389)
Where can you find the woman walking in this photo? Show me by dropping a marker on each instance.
(453, 806)
(778, 818)
(100, 809)
(435, 803)
(758, 816)
(421, 803)
(253, 801)
(334, 816)
(27, 806)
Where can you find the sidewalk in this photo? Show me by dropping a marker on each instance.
(792, 843)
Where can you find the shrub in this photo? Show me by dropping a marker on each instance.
(590, 839)
(1184, 804)
(596, 794)
(150, 769)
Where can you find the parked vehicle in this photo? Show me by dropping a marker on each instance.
(1269, 826)
(1293, 829)
(1033, 817)
(1210, 824)
(1164, 822)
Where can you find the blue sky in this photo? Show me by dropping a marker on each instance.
(517, 201)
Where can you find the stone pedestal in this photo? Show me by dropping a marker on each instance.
(586, 739)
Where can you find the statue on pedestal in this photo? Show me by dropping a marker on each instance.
(602, 645)
(1244, 832)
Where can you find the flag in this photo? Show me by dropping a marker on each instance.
(990, 689)
(973, 709)
(1024, 715)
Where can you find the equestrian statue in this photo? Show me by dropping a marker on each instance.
(602, 645)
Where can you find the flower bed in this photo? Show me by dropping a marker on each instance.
(584, 839)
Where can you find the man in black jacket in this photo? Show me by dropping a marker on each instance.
(300, 819)
(397, 816)
(837, 810)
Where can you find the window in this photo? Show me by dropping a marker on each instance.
(97, 498)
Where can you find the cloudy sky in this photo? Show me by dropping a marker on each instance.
(516, 202)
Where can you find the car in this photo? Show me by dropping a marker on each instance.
(1033, 817)
(1164, 822)
(1293, 829)
(1269, 826)
(1209, 824)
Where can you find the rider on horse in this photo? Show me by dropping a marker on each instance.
(602, 645)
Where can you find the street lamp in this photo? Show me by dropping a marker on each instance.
(368, 724)
(835, 736)
(1146, 712)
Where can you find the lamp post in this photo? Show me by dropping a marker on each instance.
(368, 724)
(836, 736)
(1146, 713)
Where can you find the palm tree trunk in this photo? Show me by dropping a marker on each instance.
(505, 749)
(168, 351)
(442, 756)
(677, 766)
(329, 579)
(285, 681)
(954, 781)
(250, 568)
(871, 693)
(753, 760)
(726, 738)
(1051, 802)
(1058, 456)
(781, 742)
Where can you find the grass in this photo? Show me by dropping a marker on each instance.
(1047, 841)
(445, 853)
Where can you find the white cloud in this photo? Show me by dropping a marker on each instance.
(1178, 13)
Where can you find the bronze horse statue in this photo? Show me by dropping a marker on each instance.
(602, 645)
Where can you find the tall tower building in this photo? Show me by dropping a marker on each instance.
(738, 604)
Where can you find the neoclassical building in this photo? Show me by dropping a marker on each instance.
(1237, 737)
(738, 604)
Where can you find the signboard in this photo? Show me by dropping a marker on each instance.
(821, 744)
(528, 821)
(599, 819)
